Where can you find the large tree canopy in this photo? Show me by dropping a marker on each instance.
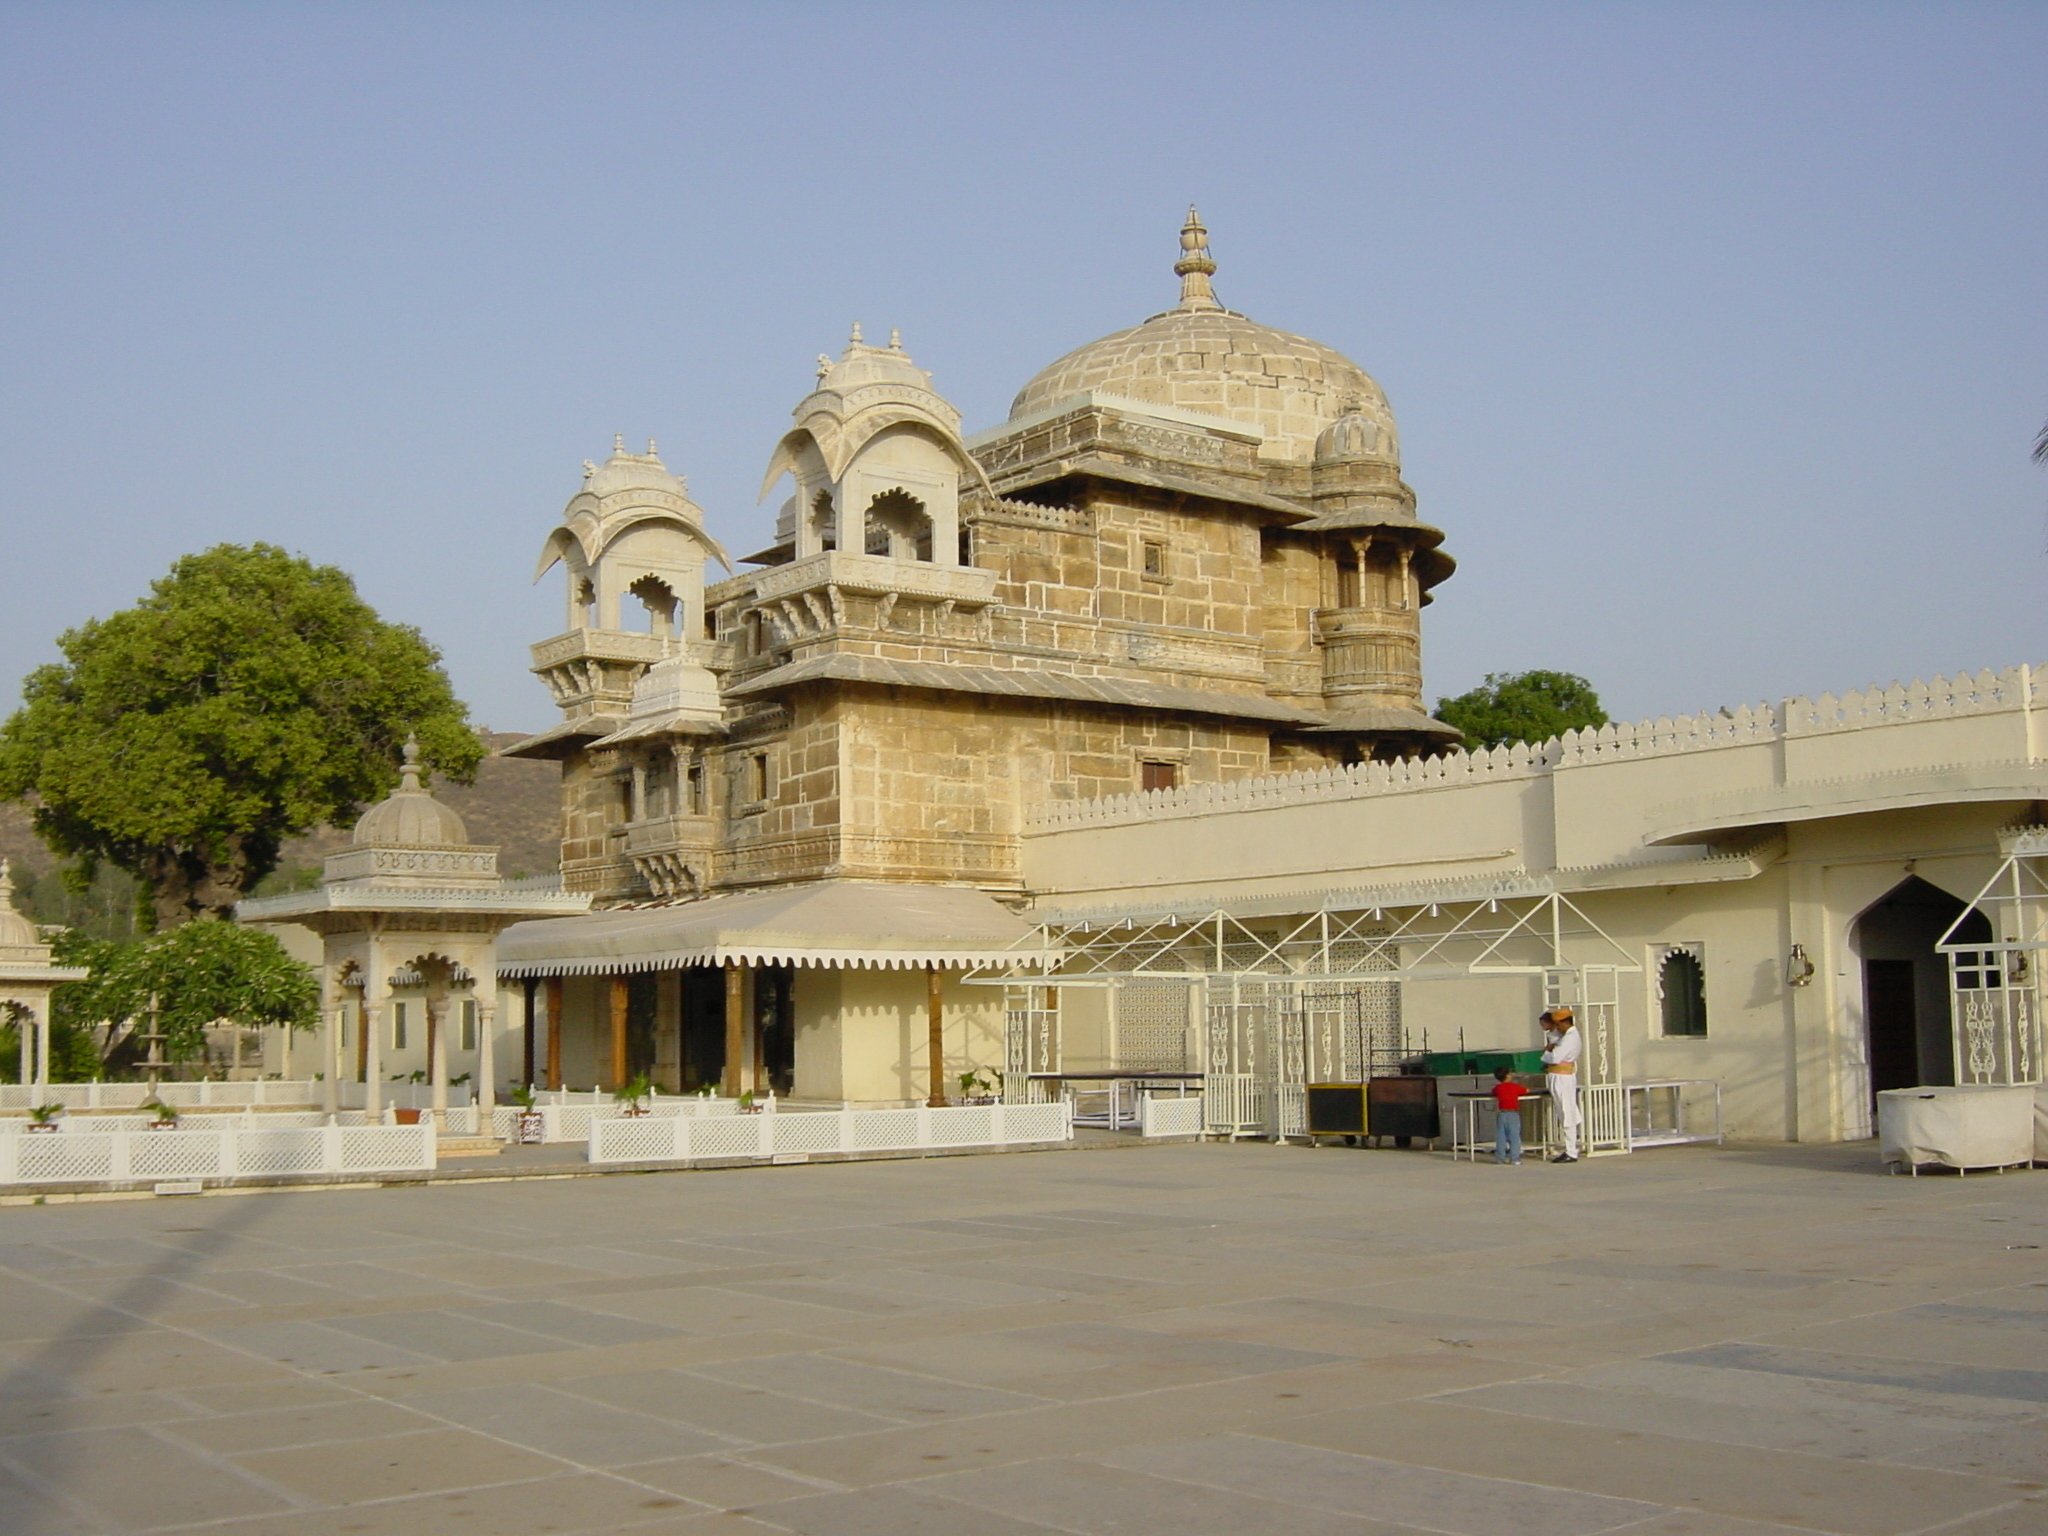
(251, 697)
(1522, 706)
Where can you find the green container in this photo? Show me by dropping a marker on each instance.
(1479, 1063)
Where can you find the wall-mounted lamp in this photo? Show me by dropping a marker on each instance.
(1798, 969)
(2017, 971)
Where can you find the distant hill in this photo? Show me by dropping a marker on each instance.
(514, 803)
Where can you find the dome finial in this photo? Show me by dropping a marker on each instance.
(854, 339)
(618, 442)
(1195, 265)
(409, 769)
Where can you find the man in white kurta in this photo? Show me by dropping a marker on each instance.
(1561, 1077)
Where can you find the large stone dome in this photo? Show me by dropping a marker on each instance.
(1202, 357)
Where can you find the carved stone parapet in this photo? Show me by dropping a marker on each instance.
(440, 863)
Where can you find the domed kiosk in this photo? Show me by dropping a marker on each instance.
(409, 915)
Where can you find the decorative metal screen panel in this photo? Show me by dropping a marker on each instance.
(1152, 1026)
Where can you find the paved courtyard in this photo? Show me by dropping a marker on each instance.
(1172, 1339)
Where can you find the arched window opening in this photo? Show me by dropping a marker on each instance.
(660, 602)
(825, 520)
(898, 526)
(1682, 993)
(1349, 592)
(586, 602)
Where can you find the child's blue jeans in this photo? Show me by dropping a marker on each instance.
(1507, 1136)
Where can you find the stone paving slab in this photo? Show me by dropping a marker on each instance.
(1180, 1340)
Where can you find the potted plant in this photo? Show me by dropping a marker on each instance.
(747, 1104)
(43, 1117)
(632, 1095)
(165, 1115)
(529, 1126)
(979, 1087)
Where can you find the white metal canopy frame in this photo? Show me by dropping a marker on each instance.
(1284, 999)
(1994, 980)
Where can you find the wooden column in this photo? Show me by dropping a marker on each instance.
(554, 1031)
(531, 986)
(935, 1024)
(735, 1029)
(618, 1011)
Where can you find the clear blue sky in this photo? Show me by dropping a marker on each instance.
(1715, 332)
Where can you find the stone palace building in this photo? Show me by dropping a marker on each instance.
(1096, 743)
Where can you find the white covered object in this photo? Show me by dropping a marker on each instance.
(1972, 1127)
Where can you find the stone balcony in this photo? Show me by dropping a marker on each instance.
(616, 645)
(878, 576)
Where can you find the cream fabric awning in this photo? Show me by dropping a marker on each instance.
(854, 923)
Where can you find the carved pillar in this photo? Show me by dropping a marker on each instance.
(486, 1061)
(437, 1057)
(376, 991)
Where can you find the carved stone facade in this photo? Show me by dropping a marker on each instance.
(1199, 564)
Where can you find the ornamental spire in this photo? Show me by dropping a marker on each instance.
(1195, 265)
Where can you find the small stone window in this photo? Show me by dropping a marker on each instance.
(693, 801)
(1152, 559)
(1153, 776)
(398, 1026)
(468, 1024)
(760, 777)
(1682, 992)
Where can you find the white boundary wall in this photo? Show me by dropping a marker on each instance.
(803, 1133)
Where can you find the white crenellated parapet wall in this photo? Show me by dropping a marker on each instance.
(1650, 796)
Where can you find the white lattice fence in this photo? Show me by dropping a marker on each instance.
(803, 1133)
(231, 1150)
(1159, 1115)
(570, 1119)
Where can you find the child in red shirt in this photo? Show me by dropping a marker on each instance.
(1507, 1123)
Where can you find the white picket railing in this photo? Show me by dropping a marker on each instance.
(797, 1134)
(1164, 1115)
(200, 1095)
(1235, 1104)
(233, 1150)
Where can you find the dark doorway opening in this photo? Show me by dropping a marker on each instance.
(643, 993)
(775, 1026)
(703, 1028)
(1905, 984)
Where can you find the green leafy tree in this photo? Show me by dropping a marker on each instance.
(1522, 706)
(199, 974)
(251, 697)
